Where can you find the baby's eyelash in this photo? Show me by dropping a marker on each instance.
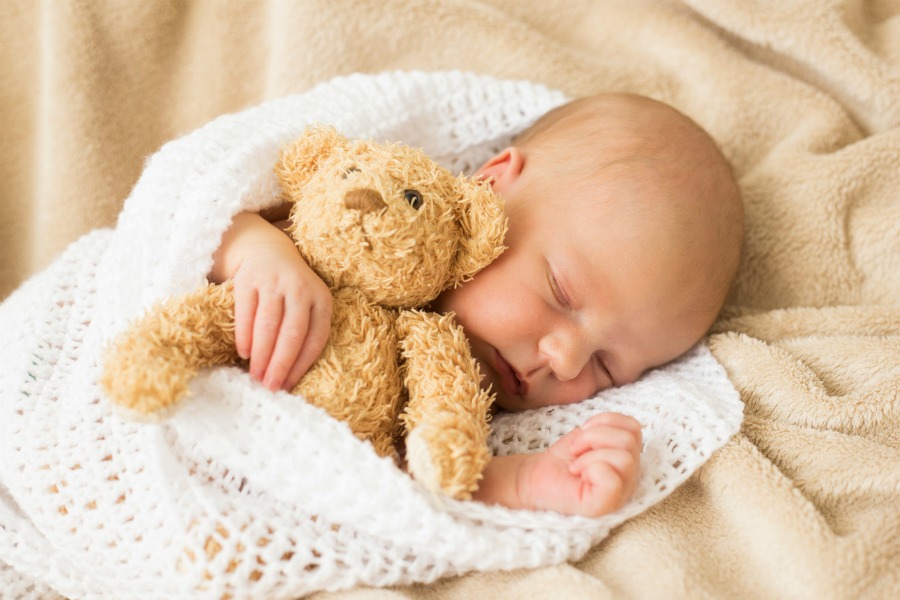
(604, 368)
(557, 292)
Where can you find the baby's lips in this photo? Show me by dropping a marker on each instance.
(522, 384)
(509, 379)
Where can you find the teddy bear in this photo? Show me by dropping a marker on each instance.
(387, 229)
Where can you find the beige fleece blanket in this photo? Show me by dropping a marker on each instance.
(804, 99)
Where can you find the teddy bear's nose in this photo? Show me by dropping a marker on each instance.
(364, 200)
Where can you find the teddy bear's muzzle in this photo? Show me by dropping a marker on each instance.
(364, 200)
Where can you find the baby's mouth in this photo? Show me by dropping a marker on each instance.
(510, 381)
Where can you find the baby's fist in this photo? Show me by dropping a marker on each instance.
(591, 471)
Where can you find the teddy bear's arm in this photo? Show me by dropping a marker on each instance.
(447, 413)
(147, 367)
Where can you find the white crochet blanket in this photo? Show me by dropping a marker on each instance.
(252, 493)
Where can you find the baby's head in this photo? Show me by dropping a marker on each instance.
(625, 228)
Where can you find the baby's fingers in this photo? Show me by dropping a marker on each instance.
(617, 420)
(609, 476)
(266, 323)
(245, 301)
(603, 436)
(316, 337)
(290, 336)
(601, 489)
(622, 462)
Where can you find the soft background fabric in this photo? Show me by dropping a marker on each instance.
(804, 99)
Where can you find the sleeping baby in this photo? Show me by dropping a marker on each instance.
(625, 226)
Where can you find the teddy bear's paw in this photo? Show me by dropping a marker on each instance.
(145, 394)
(446, 460)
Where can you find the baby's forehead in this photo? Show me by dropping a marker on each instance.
(645, 180)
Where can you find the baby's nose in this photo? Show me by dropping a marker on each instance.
(565, 354)
(364, 200)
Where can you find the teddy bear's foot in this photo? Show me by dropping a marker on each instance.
(446, 460)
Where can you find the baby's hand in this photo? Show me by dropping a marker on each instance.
(282, 315)
(591, 471)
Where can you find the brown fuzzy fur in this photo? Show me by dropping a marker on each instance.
(387, 370)
(147, 368)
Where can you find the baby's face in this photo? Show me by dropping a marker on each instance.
(586, 297)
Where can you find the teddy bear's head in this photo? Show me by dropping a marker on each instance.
(385, 218)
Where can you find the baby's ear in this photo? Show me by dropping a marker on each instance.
(480, 213)
(300, 160)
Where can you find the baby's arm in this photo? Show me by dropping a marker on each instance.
(590, 471)
(282, 308)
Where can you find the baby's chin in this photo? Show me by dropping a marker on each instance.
(500, 405)
(502, 401)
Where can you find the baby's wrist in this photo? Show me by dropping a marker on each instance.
(250, 236)
(266, 259)
(504, 481)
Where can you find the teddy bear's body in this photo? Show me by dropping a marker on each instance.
(387, 229)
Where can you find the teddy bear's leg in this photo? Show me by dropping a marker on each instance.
(148, 366)
(447, 412)
(357, 377)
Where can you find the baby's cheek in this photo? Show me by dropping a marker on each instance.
(578, 391)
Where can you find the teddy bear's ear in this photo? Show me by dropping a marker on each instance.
(484, 226)
(299, 160)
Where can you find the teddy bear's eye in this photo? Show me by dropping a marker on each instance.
(414, 198)
(350, 170)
